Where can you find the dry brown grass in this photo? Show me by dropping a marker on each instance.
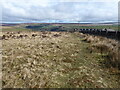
(51, 59)
(107, 46)
(37, 60)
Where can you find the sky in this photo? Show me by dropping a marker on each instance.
(58, 11)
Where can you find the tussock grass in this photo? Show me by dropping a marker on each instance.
(52, 60)
(106, 46)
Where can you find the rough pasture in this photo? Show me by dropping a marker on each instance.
(55, 59)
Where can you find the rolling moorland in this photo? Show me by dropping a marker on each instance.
(54, 27)
(53, 56)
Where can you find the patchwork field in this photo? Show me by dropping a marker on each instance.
(55, 27)
(59, 59)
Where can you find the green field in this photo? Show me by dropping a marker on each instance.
(56, 27)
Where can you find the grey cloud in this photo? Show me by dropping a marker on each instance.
(62, 11)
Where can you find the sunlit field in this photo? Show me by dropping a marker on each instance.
(56, 59)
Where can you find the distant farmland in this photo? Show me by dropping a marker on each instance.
(55, 27)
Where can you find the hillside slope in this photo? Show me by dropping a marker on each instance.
(52, 59)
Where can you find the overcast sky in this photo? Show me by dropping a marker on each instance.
(59, 11)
